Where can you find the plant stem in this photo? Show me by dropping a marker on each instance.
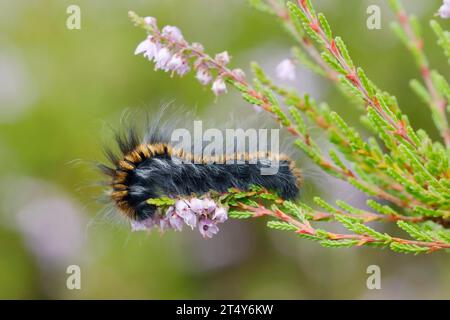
(352, 75)
(304, 227)
(437, 103)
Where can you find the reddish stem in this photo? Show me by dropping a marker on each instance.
(304, 227)
(437, 102)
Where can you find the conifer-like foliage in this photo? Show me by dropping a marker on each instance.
(404, 173)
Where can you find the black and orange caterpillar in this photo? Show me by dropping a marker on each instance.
(152, 167)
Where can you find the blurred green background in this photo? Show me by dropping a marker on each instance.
(60, 92)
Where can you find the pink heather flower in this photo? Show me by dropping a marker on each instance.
(197, 46)
(150, 222)
(203, 212)
(222, 58)
(239, 74)
(176, 222)
(286, 70)
(203, 76)
(208, 205)
(207, 228)
(175, 62)
(172, 33)
(148, 48)
(137, 226)
(444, 10)
(190, 219)
(199, 63)
(152, 51)
(143, 46)
(162, 58)
(182, 209)
(196, 205)
(183, 69)
(220, 215)
(164, 224)
(145, 224)
(150, 21)
(150, 54)
(219, 87)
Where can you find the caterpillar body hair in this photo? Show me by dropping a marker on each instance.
(152, 167)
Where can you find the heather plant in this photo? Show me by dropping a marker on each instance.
(404, 173)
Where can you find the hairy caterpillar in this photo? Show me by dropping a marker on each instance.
(151, 167)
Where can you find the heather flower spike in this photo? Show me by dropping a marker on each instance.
(204, 213)
(171, 53)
